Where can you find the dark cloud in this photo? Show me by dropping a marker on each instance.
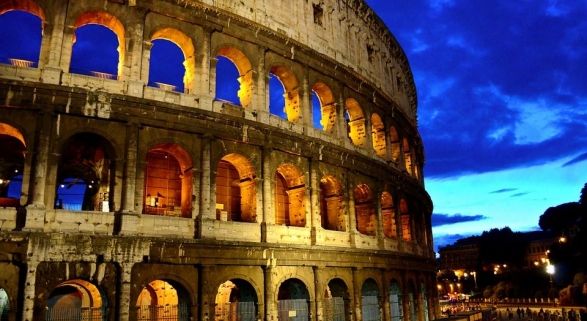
(520, 194)
(447, 219)
(447, 239)
(498, 82)
(504, 190)
(576, 160)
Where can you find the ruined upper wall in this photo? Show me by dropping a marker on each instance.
(348, 31)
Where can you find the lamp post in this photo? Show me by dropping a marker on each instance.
(550, 270)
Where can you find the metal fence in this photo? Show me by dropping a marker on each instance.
(293, 310)
(162, 313)
(334, 309)
(73, 314)
(237, 311)
(370, 308)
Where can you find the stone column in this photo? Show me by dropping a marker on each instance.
(130, 167)
(52, 46)
(29, 291)
(319, 287)
(352, 213)
(206, 306)
(202, 81)
(124, 293)
(342, 130)
(268, 216)
(66, 48)
(315, 218)
(270, 302)
(36, 210)
(206, 211)
(305, 104)
(357, 295)
(136, 73)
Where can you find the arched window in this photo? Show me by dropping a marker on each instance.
(234, 77)
(236, 196)
(323, 107)
(12, 157)
(378, 135)
(172, 62)
(99, 45)
(395, 302)
(355, 122)
(75, 300)
(370, 301)
(21, 23)
(282, 82)
(290, 193)
(331, 207)
(163, 300)
(366, 216)
(405, 220)
(236, 299)
(85, 176)
(293, 298)
(168, 181)
(388, 215)
(336, 301)
(407, 156)
(395, 144)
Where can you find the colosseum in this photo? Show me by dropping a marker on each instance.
(126, 197)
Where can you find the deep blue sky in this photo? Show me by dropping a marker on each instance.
(502, 91)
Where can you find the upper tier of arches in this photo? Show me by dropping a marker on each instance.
(275, 89)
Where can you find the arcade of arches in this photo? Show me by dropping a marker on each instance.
(124, 197)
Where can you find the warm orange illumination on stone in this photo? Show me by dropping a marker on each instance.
(89, 293)
(378, 135)
(395, 144)
(365, 214)
(405, 220)
(331, 206)
(23, 5)
(111, 22)
(8, 130)
(388, 215)
(290, 194)
(290, 83)
(356, 122)
(236, 190)
(187, 47)
(327, 106)
(245, 70)
(407, 156)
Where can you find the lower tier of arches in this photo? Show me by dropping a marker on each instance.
(70, 277)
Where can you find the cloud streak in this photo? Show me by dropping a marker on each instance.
(448, 219)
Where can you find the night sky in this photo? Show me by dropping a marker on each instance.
(502, 94)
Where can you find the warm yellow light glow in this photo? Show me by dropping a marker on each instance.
(187, 47)
(245, 70)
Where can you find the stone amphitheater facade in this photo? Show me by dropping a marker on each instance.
(194, 208)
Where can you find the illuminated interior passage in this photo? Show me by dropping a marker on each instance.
(405, 220)
(388, 215)
(236, 193)
(236, 300)
(290, 193)
(365, 214)
(355, 122)
(378, 135)
(162, 301)
(75, 300)
(331, 205)
(395, 144)
(407, 156)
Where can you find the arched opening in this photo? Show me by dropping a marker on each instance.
(236, 191)
(4, 305)
(355, 122)
(234, 77)
(405, 220)
(12, 157)
(412, 309)
(395, 144)
(290, 194)
(424, 299)
(407, 156)
(293, 300)
(370, 301)
(21, 23)
(331, 207)
(236, 300)
(163, 300)
(388, 215)
(336, 301)
(287, 107)
(168, 181)
(75, 300)
(85, 176)
(98, 45)
(323, 107)
(365, 210)
(172, 62)
(378, 135)
(395, 302)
